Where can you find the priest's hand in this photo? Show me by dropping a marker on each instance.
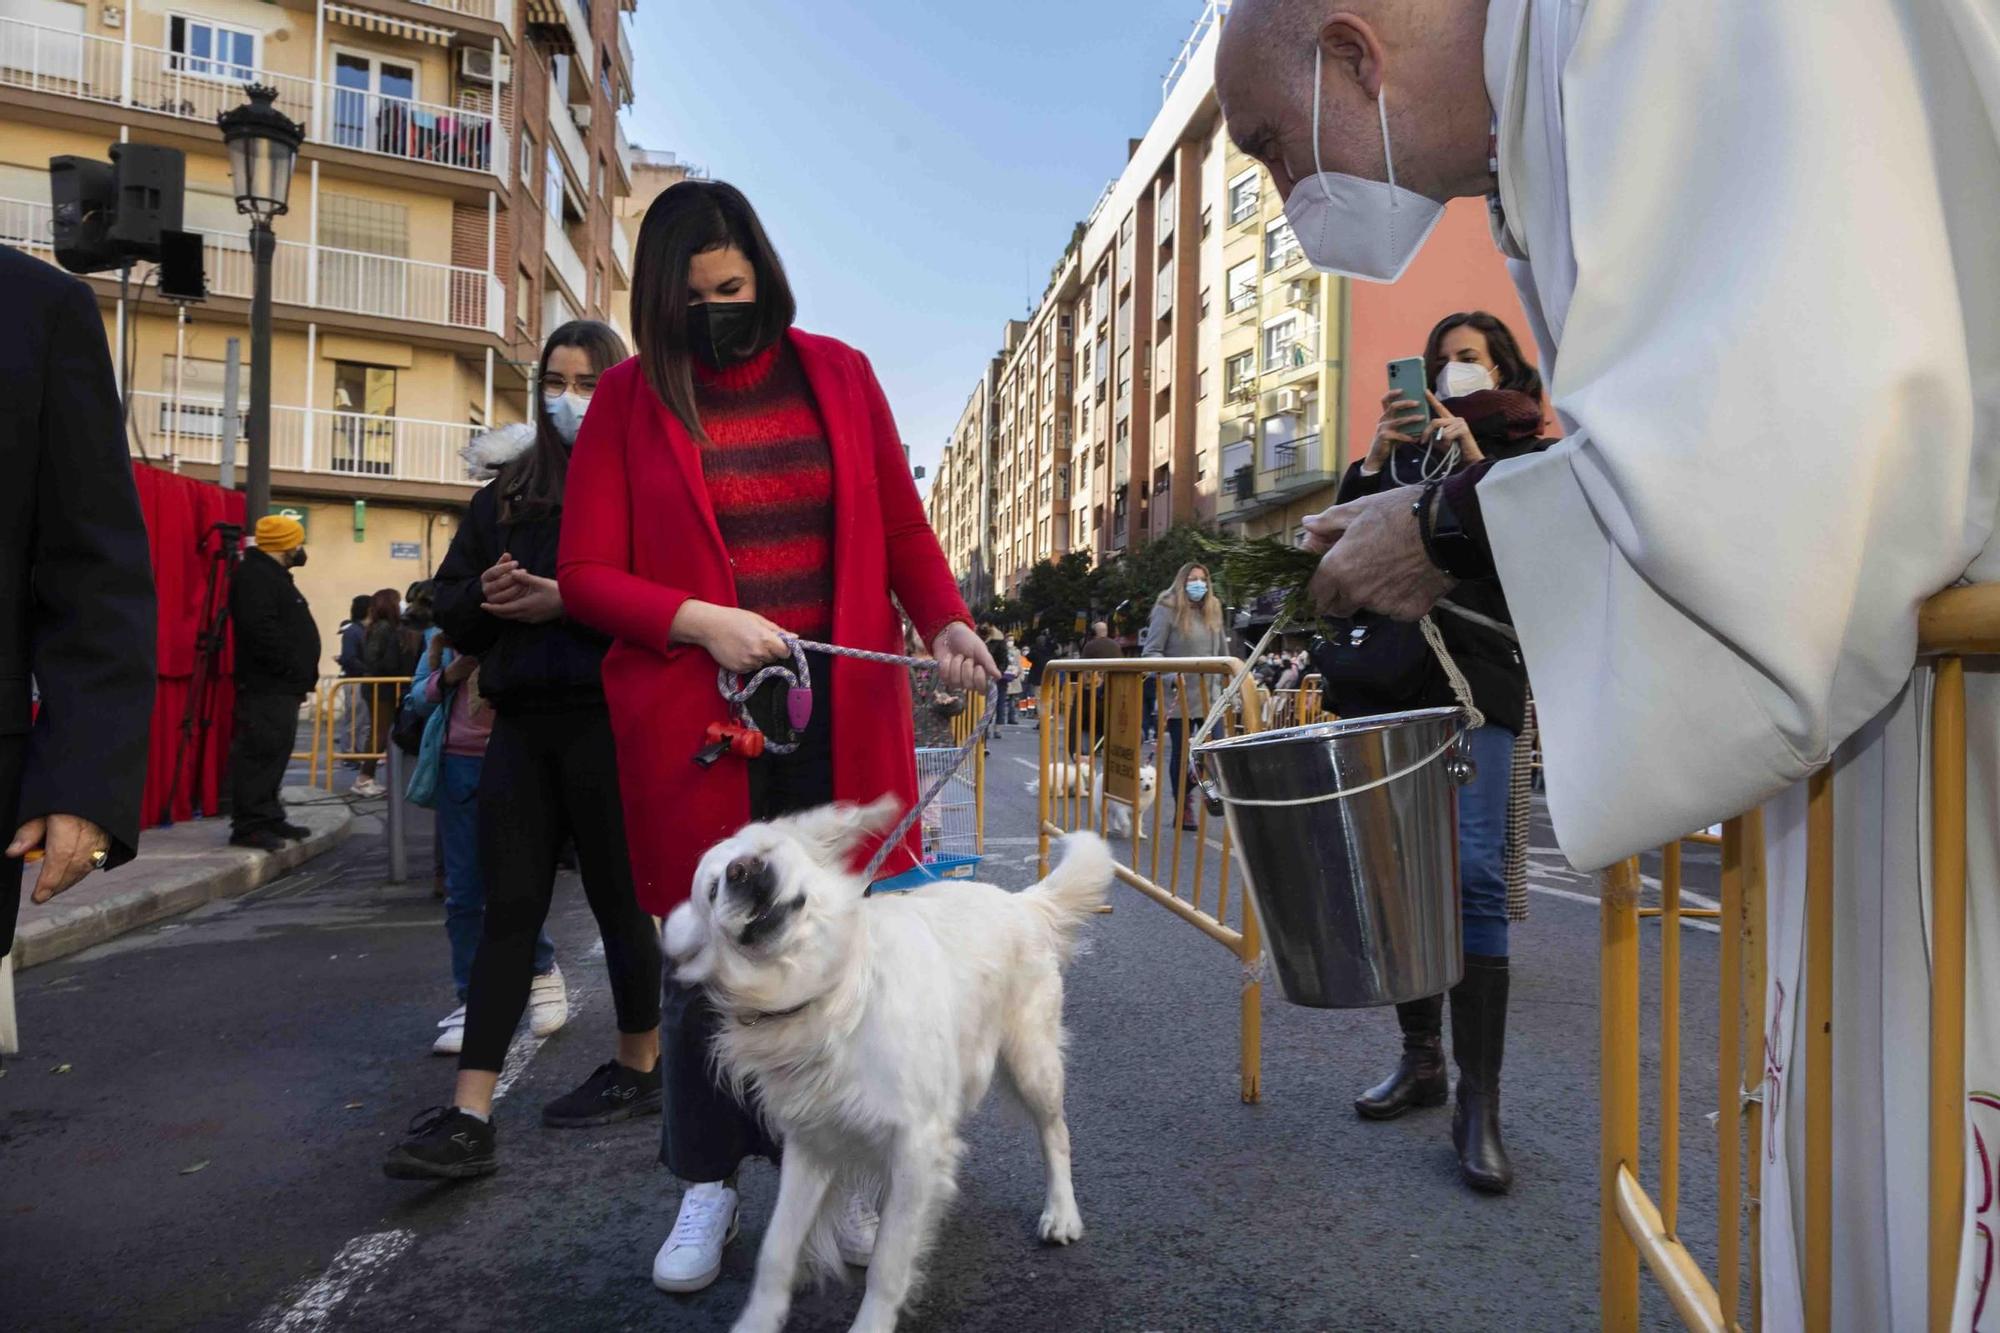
(1375, 559)
(963, 662)
(69, 846)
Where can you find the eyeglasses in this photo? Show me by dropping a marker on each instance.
(583, 385)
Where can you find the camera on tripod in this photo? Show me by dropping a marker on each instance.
(110, 215)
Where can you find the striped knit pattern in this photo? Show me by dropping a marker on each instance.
(770, 480)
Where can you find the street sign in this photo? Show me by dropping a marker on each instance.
(1121, 737)
(406, 551)
(298, 513)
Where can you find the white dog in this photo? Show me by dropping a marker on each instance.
(870, 1028)
(1118, 816)
(1067, 778)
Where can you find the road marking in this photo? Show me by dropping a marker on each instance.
(358, 1259)
(519, 1056)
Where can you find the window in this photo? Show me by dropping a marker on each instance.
(1239, 372)
(1163, 479)
(354, 234)
(1235, 457)
(604, 81)
(552, 187)
(1241, 283)
(1164, 298)
(1165, 227)
(348, 222)
(1100, 362)
(1125, 232)
(1125, 373)
(1243, 193)
(604, 179)
(211, 50)
(1280, 245)
(361, 84)
(1279, 432)
(1201, 383)
(364, 427)
(597, 292)
(524, 298)
(1204, 303)
(527, 157)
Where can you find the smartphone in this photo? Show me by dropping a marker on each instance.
(1406, 377)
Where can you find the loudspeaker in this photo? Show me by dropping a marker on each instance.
(149, 196)
(181, 275)
(84, 193)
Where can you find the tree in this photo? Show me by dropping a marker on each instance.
(1055, 592)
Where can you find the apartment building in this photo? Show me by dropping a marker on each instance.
(963, 493)
(454, 198)
(652, 172)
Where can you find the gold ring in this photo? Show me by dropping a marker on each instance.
(99, 859)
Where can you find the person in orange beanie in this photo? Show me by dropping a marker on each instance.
(277, 665)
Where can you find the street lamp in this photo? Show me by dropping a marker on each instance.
(263, 143)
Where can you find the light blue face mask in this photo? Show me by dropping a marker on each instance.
(1196, 590)
(565, 413)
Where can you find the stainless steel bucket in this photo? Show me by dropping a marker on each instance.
(1358, 896)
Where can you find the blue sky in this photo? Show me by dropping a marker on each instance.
(919, 163)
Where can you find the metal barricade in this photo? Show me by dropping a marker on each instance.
(1634, 1228)
(1091, 725)
(354, 717)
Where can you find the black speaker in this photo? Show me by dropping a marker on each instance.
(149, 181)
(84, 193)
(181, 274)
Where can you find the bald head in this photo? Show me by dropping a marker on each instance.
(1424, 57)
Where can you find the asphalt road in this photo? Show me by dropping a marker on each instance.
(191, 1140)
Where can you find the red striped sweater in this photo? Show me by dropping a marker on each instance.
(770, 480)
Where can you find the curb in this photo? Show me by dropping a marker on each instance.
(227, 872)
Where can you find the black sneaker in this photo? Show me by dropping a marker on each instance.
(444, 1144)
(262, 839)
(610, 1094)
(295, 832)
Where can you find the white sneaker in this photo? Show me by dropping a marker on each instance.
(366, 788)
(548, 1003)
(691, 1257)
(855, 1224)
(452, 1039)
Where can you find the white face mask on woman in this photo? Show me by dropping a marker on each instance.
(565, 411)
(1459, 378)
(1196, 590)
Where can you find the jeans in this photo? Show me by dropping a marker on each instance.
(464, 877)
(1008, 704)
(705, 1132)
(1482, 840)
(549, 776)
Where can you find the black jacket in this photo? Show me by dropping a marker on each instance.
(76, 577)
(1490, 661)
(521, 667)
(277, 643)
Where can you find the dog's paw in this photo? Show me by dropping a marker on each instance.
(1061, 1225)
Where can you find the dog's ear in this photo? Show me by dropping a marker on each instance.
(685, 943)
(834, 831)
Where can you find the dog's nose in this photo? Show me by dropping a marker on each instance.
(743, 870)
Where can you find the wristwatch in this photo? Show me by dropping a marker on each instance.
(1445, 540)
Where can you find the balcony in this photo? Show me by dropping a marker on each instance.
(313, 277)
(1292, 468)
(562, 255)
(304, 439)
(623, 147)
(569, 23)
(569, 141)
(621, 252)
(1291, 355)
(96, 69)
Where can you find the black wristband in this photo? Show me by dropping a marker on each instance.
(1450, 547)
(1422, 509)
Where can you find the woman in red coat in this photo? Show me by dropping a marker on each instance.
(737, 481)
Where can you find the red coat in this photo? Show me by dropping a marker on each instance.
(639, 537)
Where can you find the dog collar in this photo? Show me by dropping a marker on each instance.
(754, 1017)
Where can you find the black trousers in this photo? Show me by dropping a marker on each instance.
(267, 726)
(706, 1132)
(548, 777)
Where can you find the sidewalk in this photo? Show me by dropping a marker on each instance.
(177, 870)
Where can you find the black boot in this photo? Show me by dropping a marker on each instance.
(1419, 1079)
(1478, 1039)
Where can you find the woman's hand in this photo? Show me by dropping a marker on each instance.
(963, 662)
(1453, 430)
(496, 585)
(460, 670)
(1400, 417)
(739, 641)
(524, 597)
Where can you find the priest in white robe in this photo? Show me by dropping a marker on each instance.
(1761, 246)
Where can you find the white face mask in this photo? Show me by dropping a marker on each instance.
(1355, 226)
(1459, 378)
(565, 413)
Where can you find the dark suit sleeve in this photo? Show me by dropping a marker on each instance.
(1358, 483)
(455, 588)
(92, 612)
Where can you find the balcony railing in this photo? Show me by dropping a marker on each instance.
(563, 130)
(621, 250)
(306, 439)
(1287, 356)
(169, 83)
(478, 9)
(623, 146)
(316, 277)
(555, 244)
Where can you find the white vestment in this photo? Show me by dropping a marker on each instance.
(1760, 243)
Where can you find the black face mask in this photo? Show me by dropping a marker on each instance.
(723, 333)
(299, 558)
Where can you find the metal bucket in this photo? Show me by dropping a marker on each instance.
(1358, 896)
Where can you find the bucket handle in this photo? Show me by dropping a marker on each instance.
(1460, 769)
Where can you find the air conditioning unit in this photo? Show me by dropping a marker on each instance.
(1302, 291)
(476, 65)
(1287, 402)
(580, 113)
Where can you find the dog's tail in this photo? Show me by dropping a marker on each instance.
(1075, 887)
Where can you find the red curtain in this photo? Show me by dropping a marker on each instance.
(182, 518)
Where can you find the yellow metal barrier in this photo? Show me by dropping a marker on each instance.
(340, 731)
(1959, 623)
(1090, 710)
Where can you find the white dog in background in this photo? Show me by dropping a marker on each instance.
(1069, 777)
(870, 1028)
(1118, 816)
